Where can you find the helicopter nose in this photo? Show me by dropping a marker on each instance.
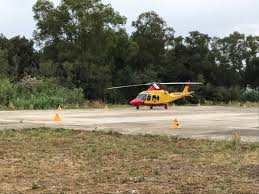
(136, 102)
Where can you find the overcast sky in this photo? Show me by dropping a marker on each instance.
(213, 17)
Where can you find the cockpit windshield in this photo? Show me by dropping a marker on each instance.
(142, 97)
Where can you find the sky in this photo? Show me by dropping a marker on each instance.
(212, 17)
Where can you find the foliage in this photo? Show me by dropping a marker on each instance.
(153, 36)
(251, 96)
(7, 92)
(3, 63)
(252, 72)
(80, 32)
(83, 44)
(43, 95)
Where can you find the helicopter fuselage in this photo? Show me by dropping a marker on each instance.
(157, 98)
(156, 95)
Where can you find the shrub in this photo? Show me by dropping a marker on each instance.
(7, 91)
(49, 94)
(251, 96)
(31, 93)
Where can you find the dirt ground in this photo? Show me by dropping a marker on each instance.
(196, 121)
(72, 161)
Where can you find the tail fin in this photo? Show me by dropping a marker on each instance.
(186, 88)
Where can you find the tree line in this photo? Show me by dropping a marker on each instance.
(84, 44)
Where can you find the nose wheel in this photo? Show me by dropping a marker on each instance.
(166, 106)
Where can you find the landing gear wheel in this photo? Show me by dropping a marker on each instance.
(166, 107)
(137, 107)
(151, 107)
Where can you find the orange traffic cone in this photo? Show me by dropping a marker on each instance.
(57, 118)
(176, 124)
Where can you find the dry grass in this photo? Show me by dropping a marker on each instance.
(67, 161)
(246, 104)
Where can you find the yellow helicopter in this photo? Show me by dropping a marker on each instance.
(155, 95)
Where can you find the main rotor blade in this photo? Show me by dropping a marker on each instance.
(182, 83)
(128, 86)
(156, 84)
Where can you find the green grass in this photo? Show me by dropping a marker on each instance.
(38, 94)
(62, 160)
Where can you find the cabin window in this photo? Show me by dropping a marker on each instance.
(157, 98)
(154, 98)
(148, 97)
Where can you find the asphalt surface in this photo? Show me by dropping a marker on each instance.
(217, 122)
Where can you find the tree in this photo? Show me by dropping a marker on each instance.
(122, 53)
(235, 52)
(153, 36)
(3, 63)
(200, 60)
(252, 72)
(80, 32)
(21, 57)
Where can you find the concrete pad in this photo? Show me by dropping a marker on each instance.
(196, 121)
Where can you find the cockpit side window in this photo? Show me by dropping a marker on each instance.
(154, 98)
(142, 97)
(157, 98)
